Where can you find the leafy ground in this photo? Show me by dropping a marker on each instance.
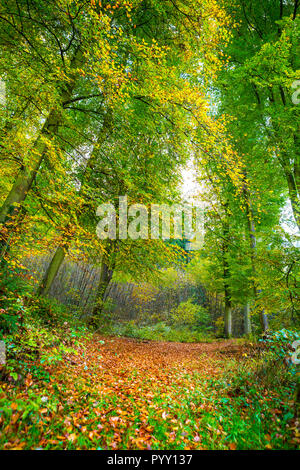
(118, 393)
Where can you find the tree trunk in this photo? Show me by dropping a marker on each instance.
(291, 170)
(228, 318)
(264, 321)
(27, 174)
(105, 278)
(51, 272)
(228, 309)
(247, 319)
(253, 252)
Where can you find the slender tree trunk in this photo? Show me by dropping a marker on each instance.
(51, 272)
(247, 319)
(228, 309)
(253, 253)
(105, 278)
(264, 321)
(228, 317)
(26, 175)
(291, 171)
(107, 268)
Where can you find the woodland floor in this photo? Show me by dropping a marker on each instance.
(119, 393)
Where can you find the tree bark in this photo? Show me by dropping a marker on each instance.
(294, 192)
(105, 278)
(228, 318)
(253, 253)
(247, 319)
(51, 271)
(226, 270)
(291, 171)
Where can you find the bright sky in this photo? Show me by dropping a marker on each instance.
(189, 185)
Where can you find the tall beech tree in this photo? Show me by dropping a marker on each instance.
(257, 85)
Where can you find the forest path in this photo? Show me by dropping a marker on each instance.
(116, 363)
(142, 354)
(106, 358)
(121, 393)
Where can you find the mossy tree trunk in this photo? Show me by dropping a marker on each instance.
(51, 271)
(247, 319)
(27, 173)
(105, 277)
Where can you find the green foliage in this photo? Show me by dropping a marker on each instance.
(162, 332)
(105, 100)
(219, 325)
(105, 322)
(189, 314)
(13, 291)
(19, 307)
(50, 312)
(168, 277)
(203, 318)
(255, 398)
(36, 332)
(279, 344)
(186, 313)
(268, 365)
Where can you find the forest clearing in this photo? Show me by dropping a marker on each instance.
(149, 226)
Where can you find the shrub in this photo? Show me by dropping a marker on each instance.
(49, 311)
(280, 343)
(191, 315)
(271, 365)
(12, 316)
(203, 318)
(185, 313)
(12, 292)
